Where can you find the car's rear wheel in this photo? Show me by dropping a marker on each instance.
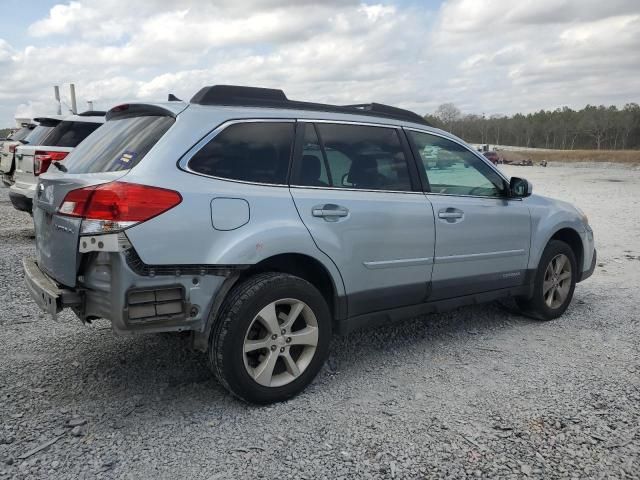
(271, 337)
(554, 283)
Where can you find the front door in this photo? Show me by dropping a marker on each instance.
(483, 236)
(353, 190)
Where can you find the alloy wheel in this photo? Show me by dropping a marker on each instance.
(280, 342)
(557, 281)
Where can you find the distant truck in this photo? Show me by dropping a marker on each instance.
(492, 156)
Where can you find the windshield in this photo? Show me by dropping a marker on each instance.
(70, 134)
(118, 144)
(36, 135)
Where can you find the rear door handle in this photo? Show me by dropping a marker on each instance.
(329, 211)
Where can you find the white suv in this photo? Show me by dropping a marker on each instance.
(34, 158)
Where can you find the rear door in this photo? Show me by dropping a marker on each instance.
(354, 190)
(483, 237)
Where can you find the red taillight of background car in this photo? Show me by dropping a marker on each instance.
(42, 160)
(12, 148)
(111, 207)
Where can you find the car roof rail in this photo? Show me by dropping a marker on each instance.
(234, 95)
(382, 109)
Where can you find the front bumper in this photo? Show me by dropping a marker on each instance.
(45, 292)
(587, 273)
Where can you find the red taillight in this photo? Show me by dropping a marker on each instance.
(12, 148)
(113, 206)
(75, 202)
(42, 160)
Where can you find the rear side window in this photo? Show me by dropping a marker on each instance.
(249, 151)
(355, 156)
(70, 134)
(118, 144)
(37, 135)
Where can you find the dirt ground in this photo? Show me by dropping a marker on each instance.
(479, 392)
(629, 158)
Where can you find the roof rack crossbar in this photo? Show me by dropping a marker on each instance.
(232, 95)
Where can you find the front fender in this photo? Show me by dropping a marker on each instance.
(548, 217)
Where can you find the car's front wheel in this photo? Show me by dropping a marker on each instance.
(554, 283)
(271, 337)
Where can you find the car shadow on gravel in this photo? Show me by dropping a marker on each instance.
(160, 371)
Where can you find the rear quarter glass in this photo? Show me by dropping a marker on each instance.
(118, 144)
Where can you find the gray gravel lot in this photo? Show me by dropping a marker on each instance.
(479, 392)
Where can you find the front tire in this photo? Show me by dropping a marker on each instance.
(554, 283)
(271, 338)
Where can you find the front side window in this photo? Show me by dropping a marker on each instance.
(248, 151)
(354, 156)
(454, 170)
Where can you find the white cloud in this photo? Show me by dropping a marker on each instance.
(484, 55)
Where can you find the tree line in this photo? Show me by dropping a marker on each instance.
(593, 127)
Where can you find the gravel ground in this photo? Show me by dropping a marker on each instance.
(479, 392)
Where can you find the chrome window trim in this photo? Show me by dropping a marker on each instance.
(348, 189)
(476, 154)
(509, 199)
(183, 163)
(351, 122)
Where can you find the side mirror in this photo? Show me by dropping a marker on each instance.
(519, 187)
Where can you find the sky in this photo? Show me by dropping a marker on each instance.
(485, 56)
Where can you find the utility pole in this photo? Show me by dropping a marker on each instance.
(72, 90)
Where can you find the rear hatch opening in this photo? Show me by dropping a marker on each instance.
(91, 196)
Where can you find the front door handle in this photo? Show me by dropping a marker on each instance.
(329, 211)
(451, 215)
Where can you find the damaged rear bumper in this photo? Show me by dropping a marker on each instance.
(47, 294)
(135, 297)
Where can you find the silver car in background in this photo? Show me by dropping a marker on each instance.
(264, 225)
(27, 133)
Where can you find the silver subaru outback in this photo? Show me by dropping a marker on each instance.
(264, 225)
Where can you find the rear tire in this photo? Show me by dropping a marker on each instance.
(554, 283)
(271, 337)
